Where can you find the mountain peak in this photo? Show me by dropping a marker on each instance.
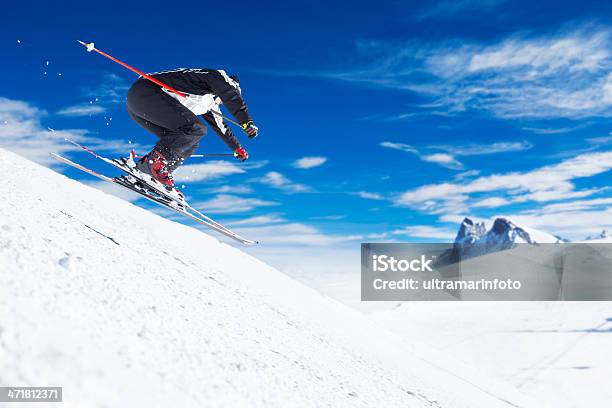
(470, 231)
(604, 235)
(473, 239)
(505, 232)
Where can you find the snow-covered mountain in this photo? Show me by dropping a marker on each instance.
(122, 307)
(473, 239)
(604, 237)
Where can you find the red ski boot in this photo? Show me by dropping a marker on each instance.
(155, 165)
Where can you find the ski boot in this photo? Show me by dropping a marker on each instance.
(156, 166)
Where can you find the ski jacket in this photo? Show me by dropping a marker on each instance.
(206, 90)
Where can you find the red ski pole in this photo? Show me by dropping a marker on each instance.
(90, 47)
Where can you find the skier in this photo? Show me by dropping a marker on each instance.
(174, 118)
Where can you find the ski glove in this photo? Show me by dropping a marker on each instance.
(250, 129)
(241, 154)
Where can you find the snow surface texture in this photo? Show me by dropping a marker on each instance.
(124, 308)
(560, 353)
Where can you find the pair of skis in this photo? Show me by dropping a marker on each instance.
(147, 189)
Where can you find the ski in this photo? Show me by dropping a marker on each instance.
(122, 164)
(151, 195)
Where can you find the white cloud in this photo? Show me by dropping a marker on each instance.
(232, 189)
(548, 54)
(449, 160)
(377, 236)
(484, 149)
(209, 170)
(491, 202)
(110, 89)
(466, 174)
(458, 218)
(252, 165)
(258, 220)
(295, 234)
(309, 162)
(82, 110)
(400, 146)
(600, 141)
(564, 74)
(556, 194)
(547, 183)
(600, 203)
(426, 231)
(571, 224)
(369, 196)
(552, 131)
(328, 217)
(22, 132)
(278, 180)
(443, 159)
(229, 204)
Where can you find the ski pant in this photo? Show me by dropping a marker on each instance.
(179, 130)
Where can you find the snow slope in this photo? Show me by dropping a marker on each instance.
(558, 352)
(124, 308)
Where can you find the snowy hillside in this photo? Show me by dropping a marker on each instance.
(124, 308)
(558, 352)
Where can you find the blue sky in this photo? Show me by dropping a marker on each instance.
(377, 123)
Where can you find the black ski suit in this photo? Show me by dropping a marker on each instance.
(176, 125)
